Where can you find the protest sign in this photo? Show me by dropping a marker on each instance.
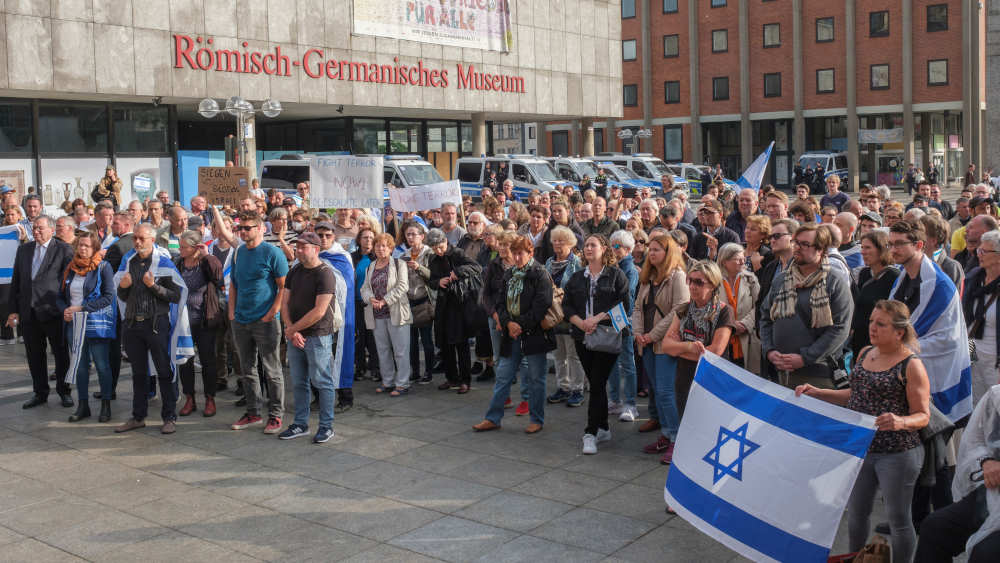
(428, 196)
(223, 185)
(345, 181)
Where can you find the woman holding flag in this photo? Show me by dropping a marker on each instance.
(88, 292)
(888, 382)
(202, 274)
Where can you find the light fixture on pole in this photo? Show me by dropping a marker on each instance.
(240, 109)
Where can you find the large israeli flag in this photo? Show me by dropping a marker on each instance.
(753, 176)
(342, 361)
(10, 239)
(764, 472)
(944, 344)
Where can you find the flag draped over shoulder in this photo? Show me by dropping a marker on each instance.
(181, 342)
(762, 471)
(944, 344)
(343, 354)
(10, 239)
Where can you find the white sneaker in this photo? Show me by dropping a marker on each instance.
(614, 407)
(603, 435)
(629, 414)
(589, 444)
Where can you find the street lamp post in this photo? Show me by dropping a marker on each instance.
(243, 111)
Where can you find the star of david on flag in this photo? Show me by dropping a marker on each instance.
(742, 438)
(715, 456)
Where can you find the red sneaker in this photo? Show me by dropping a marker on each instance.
(668, 455)
(508, 403)
(522, 408)
(273, 426)
(659, 446)
(247, 421)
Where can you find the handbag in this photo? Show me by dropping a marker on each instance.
(422, 312)
(554, 315)
(604, 339)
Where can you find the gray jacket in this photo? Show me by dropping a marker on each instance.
(794, 335)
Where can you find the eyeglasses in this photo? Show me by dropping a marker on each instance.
(982, 250)
(616, 246)
(246, 227)
(776, 236)
(900, 243)
(803, 244)
(697, 282)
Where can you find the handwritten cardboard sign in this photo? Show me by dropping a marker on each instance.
(345, 181)
(223, 185)
(428, 196)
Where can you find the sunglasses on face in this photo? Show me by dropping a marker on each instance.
(697, 282)
(246, 227)
(776, 236)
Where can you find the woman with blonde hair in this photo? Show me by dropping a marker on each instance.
(662, 289)
(569, 372)
(741, 291)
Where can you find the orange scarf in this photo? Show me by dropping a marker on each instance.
(731, 294)
(81, 266)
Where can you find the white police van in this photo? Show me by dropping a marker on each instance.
(400, 170)
(833, 162)
(644, 165)
(692, 175)
(527, 172)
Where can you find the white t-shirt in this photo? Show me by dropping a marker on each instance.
(76, 291)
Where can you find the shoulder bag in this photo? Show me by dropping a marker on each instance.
(604, 339)
(554, 315)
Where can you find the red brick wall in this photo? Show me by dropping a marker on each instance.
(934, 46)
(817, 56)
(771, 59)
(719, 64)
(677, 68)
(879, 50)
(632, 70)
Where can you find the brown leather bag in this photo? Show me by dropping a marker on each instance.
(554, 315)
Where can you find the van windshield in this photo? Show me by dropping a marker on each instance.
(283, 177)
(543, 171)
(419, 174)
(587, 167)
(624, 173)
(813, 161)
(658, 165)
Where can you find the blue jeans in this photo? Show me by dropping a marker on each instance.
(624, 370)
(661, 369)
(96, 350)
(532, 383)
(495, 341)
(312, 365)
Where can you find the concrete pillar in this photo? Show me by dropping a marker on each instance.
(926, 134)
(908, 122)
(853, 154)
(968, 23)
(697, 153)
(746, 128)
(574, 138)
(587, 137)
(646, 145)
(976, 70)
(250, 126)
(610, 136)
(541, 139)
(798, 120)
(479, 134)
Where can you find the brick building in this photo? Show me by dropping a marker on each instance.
(717, 80)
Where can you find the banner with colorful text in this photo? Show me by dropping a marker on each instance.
(345, 181)
(477, 24)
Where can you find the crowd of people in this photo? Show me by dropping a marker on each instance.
(862, 302)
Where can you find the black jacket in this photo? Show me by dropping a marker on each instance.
(698, 249)
(41, 294)
(118, 250)
(493, 285)
(612, 289)
(544, 250)
(457, 314)
(536, 298)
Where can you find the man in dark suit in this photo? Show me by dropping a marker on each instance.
(35, 285)
(121, 227)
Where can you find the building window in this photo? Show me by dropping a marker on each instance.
(628, 9)
(937, 72)
(772, 85)
(720, 88)
(16, 128)
(669, 6)
(630, 95)
(718, 3)
(937, 17)
(71, 128)
(720, 41)
(824, 30)
(141, 129)
(628, 50)
(878, 24)
(772, 35)
(671, 46)
(531, 132)
(880, 77)
(560, 142)
(824, 81)
(671, 92)
(673, 143)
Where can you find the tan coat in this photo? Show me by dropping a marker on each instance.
(395, 295)
(746, 313)
(673, 292)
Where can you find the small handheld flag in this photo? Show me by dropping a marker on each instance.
(619, 319)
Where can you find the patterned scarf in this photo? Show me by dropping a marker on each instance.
(699, 320)
(81, 266)
(819, 299)
(515, 287)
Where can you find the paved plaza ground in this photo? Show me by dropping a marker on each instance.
(404, 479)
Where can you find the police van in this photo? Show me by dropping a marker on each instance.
(833, 163)
(692, 175)
(527, 172)
(400, 170)
(644, 165)
(629, 181)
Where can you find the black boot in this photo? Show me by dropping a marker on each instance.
(82, 412)
(105, 411)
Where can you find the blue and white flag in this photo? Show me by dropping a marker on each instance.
(342, 360)
(619, 319)
(853, 257)
(944, 344)
(78, 333)
(753, 176)
(10, 239)
(181, 342)
(762, 471)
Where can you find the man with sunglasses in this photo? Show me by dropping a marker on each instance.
(258, 276)
(713, 233)
(780, 241)
(806, 318)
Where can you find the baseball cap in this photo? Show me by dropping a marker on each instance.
(5, 188)
(309, 238)
(324, 225)
(872, 216)
(287, 201)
